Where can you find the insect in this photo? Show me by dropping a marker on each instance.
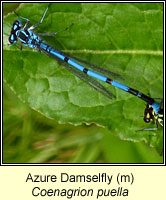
(26, 36)
(149, 115)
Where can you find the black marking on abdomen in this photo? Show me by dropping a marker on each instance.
(109, 81)
(66, 59)
(85, 70)
(149, 100)
(133, 92)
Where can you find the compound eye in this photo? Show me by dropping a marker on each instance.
(146, 119)
(17, 25)
(12, 39)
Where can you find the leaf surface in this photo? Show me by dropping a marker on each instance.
(123, 38)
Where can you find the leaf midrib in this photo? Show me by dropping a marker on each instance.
(135, 52)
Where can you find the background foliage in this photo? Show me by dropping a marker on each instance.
(124, 38)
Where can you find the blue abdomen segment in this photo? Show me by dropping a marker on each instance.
(156, 107)
(96, 75)
(72, 62)
(120, 86)
(76, 65)
(57, 54)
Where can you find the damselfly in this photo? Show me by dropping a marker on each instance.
(153, 110)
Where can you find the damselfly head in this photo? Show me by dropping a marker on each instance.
(13, 35)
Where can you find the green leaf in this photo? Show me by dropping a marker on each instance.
(124, 38)
(29, 137)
